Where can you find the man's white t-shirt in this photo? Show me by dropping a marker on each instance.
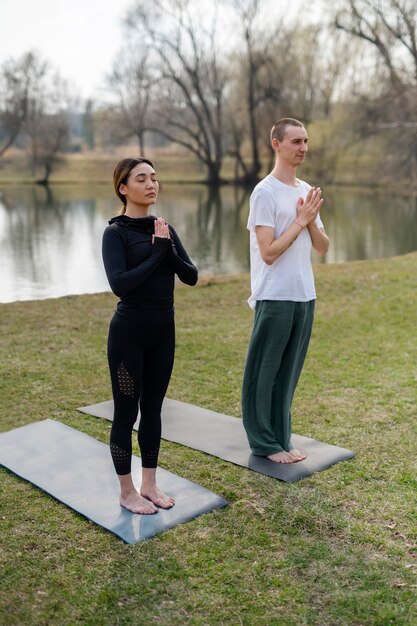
(290, 277)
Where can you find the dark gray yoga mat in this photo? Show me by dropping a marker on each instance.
(77, 470)
(223, 436)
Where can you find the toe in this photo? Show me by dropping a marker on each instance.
(165, 504)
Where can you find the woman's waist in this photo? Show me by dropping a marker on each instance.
(144, 312)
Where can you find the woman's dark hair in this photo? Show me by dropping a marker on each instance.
(121, 174)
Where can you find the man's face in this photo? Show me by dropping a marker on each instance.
(293, 148)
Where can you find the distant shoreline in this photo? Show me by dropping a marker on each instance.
(182, 169)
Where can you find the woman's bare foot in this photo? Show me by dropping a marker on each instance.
(155, 495)
(150, 490)
(299, 455)
(135, 503)
(283, 457)
(131, 499)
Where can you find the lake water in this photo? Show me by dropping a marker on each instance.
(50, 240)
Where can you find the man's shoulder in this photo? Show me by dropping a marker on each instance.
(303, 183)
(265, 183)
(274, 186)
(264, 187)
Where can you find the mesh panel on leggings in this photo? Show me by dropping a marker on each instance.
(121, 459)
(125, 380)
(149, 457)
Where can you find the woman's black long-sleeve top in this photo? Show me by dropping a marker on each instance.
(142, 273)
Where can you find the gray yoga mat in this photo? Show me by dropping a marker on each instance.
(223, 436)
(77, 470)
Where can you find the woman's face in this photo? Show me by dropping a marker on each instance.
(141, 187)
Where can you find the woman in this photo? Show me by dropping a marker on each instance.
(141, 256)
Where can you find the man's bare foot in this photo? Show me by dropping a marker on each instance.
(135, 503)
(282, 457)
(155, 495)
(299, 455)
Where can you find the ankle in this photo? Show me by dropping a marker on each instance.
(148, 477)
(127, 493)
(148, 485)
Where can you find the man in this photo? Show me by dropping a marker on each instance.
(284, 224)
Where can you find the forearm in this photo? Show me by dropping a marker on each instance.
(121, 280)
(319, 239)
(180, 262)
(185, 270)
(271, 251)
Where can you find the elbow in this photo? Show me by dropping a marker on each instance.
(117, 289)
(324, 249)
(193, 279)
(188, 277)
(118, 292)
(269, 255)
(267, 259)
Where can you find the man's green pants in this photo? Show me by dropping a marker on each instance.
(276, 354)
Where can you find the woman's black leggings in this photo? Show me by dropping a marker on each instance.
(141, 357)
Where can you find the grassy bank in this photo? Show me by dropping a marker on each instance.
(80, 168)
(351, 167)
(338, 548)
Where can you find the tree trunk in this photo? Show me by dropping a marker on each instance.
(9, 142)
(255, 165)
(213, 174)
(141, 142)
(45, 180)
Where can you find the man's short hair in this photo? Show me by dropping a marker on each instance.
(279, 129)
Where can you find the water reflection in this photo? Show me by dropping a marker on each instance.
(369, 225)
(48, 244)
(50, 239)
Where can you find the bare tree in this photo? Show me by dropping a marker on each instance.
(46, 123)
(109, 131)
(18, 82)
(88, 124)
(50, 139)
(258, 82)
(280, 74)
(33, 103)
(390, 29)
(305, 71)
(188, 109)
(133, 83)
(255, 58)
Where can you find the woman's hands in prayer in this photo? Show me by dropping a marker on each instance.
(161, 229)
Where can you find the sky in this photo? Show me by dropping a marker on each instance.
(80, 38)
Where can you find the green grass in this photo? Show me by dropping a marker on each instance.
(338, 548)
(326, 163)
(81, 168)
